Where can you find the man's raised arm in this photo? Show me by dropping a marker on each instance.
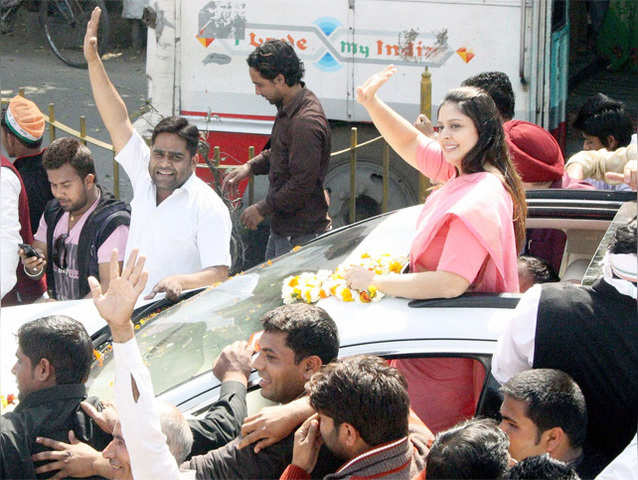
(109, 103)
(134, 397)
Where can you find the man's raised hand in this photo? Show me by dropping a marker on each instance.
(90, 38)
(117, 303)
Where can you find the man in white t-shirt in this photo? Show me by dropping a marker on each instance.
(178, 222)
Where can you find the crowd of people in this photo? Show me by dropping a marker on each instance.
(565, 362)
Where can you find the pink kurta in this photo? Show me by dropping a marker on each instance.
(478, 209)
(465, 228)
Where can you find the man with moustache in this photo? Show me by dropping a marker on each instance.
(179, 223)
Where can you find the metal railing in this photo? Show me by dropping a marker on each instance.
(352, 150)
(54, 125)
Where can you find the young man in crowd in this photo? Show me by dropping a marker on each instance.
(542, 467)
(76, 459)
(475, 448)
(178, 223)
(15, 228)
(604, 124)
(80, 226)
(362, 414)
(297, 340)
(533, 270)
(544, 411)
(53, 360)
(588, 332)
(297, 160)
(611, 167)
(21, 132)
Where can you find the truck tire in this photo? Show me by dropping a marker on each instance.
(403, 182)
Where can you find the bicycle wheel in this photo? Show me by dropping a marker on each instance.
(64, 24)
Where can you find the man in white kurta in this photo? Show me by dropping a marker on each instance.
(178, 223)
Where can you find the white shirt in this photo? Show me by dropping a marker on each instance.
(187, 232)
(9, 229)
(624, 466)
(515, 348)
(140, 421)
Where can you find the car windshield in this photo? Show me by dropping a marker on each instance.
(595, 269)
(184, 340)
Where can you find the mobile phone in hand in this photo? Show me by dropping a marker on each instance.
(29, 251)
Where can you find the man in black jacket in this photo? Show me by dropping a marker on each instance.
(53, 360)
(80, 226)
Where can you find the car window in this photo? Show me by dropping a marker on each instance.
(183, 341)
(443, 389)
(440, 396)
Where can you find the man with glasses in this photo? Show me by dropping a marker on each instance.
(179, 224)
(79, 227)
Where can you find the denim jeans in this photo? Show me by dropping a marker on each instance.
(278, 245)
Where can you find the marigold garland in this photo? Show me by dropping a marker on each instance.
(310, 287)
(8, 403)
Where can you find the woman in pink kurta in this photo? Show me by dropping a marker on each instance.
(468, 233)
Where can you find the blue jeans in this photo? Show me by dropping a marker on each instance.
(278, 245)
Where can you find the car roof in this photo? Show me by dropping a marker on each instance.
(394, 319)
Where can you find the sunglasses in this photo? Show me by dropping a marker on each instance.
(59, 252)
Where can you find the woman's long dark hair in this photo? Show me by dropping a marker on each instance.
(490, 149)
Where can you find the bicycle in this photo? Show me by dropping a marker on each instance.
(63, 23)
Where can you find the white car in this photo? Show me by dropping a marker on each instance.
(180, 343)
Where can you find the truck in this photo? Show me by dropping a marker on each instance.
(196, 67)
